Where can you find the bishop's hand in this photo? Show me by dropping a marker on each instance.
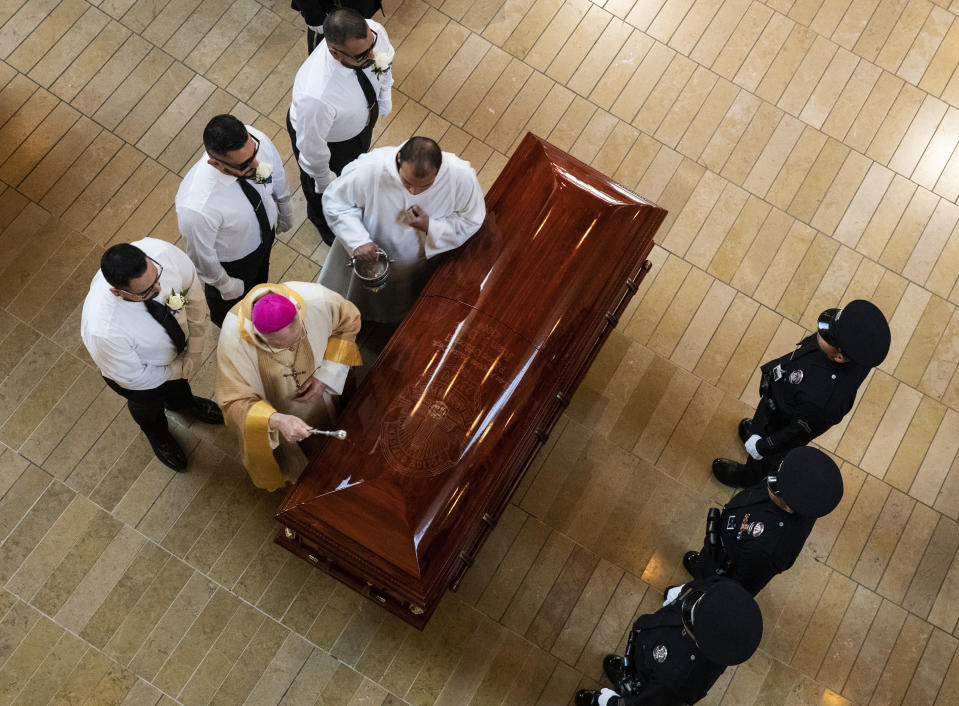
(292, 428)
(310, 391)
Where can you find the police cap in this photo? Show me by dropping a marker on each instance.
(859, 330)
(726, 622)
(809, 481)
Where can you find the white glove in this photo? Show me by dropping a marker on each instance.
(284, 216)
(232, 290)
(605, 695)
(672, 594)
(751, 447)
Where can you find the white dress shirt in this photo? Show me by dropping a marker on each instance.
(216, 219)
(127, 344)
(329, 104)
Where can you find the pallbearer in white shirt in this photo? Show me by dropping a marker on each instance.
(414, 202)
(143, 323)
(229, 207)
(338, 94)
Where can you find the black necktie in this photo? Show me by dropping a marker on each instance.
(253, 196)
(168, 322)
(372, 106)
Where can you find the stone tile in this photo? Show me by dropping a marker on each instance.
(932, 568)
(56, 666)
(216, 665)
(849, 637)
(932, 667)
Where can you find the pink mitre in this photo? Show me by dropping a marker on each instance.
(272, 312)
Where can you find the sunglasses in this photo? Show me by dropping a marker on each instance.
(826, 327)
(690, 599)
(244, 165)
(363, 54)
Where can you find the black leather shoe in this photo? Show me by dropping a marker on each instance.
(168, 451)
(691, 562)
(206, 410)
(728, 472)
(585, 697)
(613, 669)
(745, 429)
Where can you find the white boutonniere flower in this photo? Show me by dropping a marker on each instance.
(264, 170)
(177, 300)
(381, 63)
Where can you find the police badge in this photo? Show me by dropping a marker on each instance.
(795, 377)
(757, 529)
(659, 653)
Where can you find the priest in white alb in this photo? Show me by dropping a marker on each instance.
(414, 202)
(284, 353)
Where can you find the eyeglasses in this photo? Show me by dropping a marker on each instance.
(245, 165)
(363, 54)
(145, 292)
(690, 599)
(772, 482)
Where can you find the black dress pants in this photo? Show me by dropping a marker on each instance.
(146, 406)
(253, 269)
(341, 154)
(766, 421)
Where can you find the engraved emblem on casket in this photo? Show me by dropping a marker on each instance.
(425, 428)
(660, 653)
(795, 377)
(429, 424)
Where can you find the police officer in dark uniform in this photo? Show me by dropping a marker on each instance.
(761, 530)
(676, 654)
(809, 390)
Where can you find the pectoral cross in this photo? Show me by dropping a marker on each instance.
(295, 374)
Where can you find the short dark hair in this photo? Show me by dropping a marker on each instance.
(223, 134)
(422, 153)
(121, 263)
(342, 24)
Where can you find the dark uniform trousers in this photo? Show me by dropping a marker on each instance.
(758, 540)
(253, 269)
(146, 406)
(803, 393)
(314, 12)
(666, 666)
(341, 154)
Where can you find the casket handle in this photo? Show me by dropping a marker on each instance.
(632, 286)
(647, 266)
(612, 319)
(488, 520)
(563, 399)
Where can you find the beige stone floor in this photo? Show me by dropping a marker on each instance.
(806, 151)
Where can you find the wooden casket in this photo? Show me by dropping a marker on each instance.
(453, 411)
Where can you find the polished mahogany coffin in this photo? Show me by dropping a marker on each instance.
(452, 413)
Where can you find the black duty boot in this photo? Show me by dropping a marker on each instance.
(691, 562)
(728, 472)
(613, 669)
(745, 429)
(585, 697)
